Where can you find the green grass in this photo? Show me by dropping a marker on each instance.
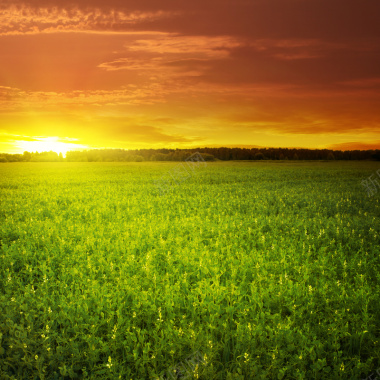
(269, 270)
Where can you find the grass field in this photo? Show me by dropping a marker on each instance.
(266, 270)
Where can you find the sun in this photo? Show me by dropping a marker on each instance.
(47, 144)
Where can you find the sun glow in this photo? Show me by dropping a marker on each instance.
(47, 144)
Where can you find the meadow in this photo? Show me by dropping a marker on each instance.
(253, 270)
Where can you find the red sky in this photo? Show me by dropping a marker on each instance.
(174, 73)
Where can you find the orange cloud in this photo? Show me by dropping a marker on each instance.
(355, 146)
(214, 47)
(363, 83)
(23, 20)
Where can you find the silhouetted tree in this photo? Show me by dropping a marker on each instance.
(330, 156)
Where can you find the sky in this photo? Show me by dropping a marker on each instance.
(137, 74)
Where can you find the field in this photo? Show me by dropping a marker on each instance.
(245, 270)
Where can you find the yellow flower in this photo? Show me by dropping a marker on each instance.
(109, 364)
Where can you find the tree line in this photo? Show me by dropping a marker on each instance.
(208, 154)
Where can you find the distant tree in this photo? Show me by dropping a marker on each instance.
(331, 156)
(208, 156)
(27, 156)
(160, 157)
(138, 158)
(376, 155)
(60, 157)
(222, 153)
(3, 159)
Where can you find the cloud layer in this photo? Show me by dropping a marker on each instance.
(258, 72)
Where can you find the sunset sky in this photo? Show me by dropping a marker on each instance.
(173, 73)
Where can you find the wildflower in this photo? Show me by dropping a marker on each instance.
(13, 299)
(36, 357)
(49, 310)
(196, 375)
(109, 364)
(160, 315)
